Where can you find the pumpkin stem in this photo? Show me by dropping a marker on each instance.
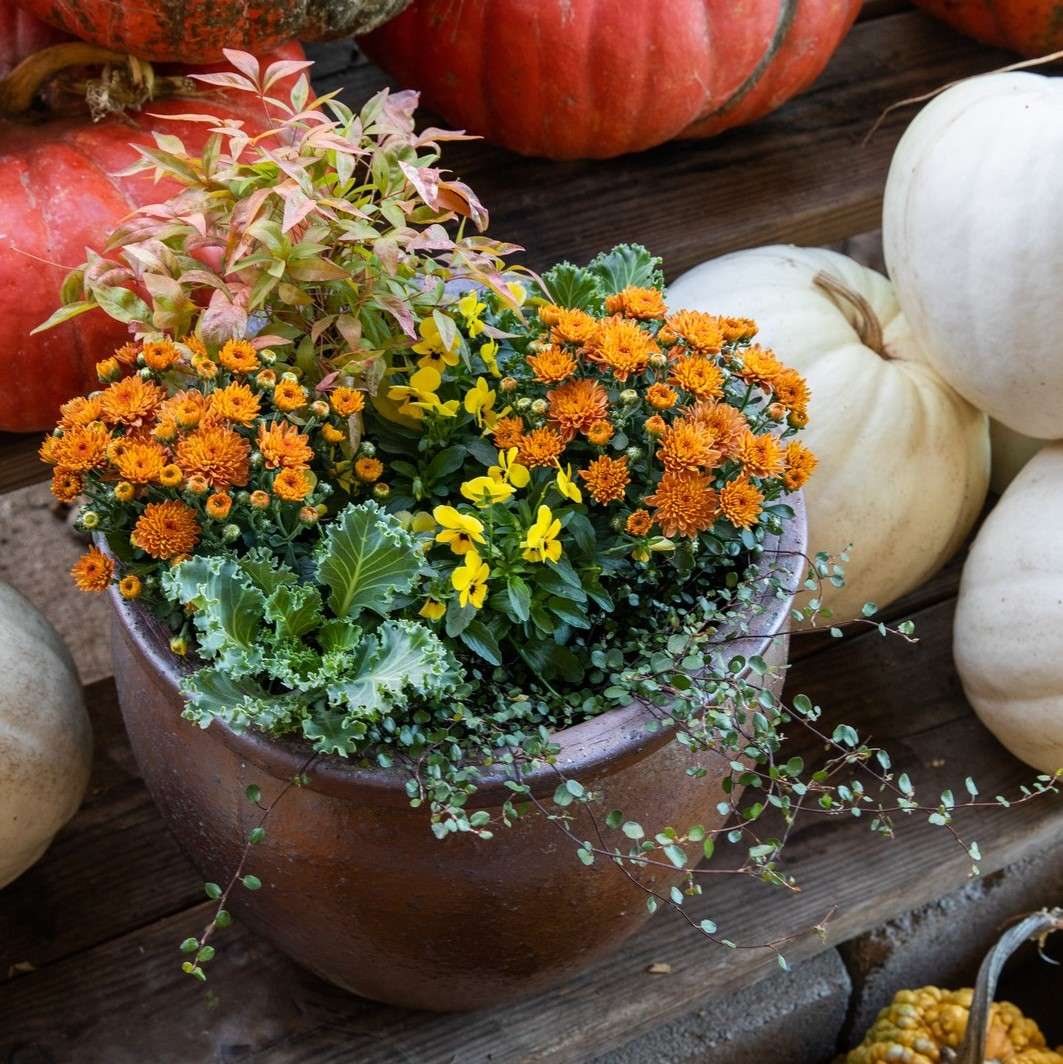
(868, 327)
(22, 84)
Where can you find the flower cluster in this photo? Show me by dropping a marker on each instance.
(191, 449)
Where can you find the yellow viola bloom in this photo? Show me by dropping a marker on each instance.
(479, 400)
(419, 394)
(435, 352)
(460, 531)
(471, 308)
(470, 580)
(484, 491)
(432, 610)
(489, 353)
(567, 485)
(509, 470)
(540, 542)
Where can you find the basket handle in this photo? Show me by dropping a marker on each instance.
(1036, 926)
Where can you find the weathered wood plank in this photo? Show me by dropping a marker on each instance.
(125, 999)
(19, 464)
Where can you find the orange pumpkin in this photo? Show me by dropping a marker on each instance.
(571, 79)
(1031, 27)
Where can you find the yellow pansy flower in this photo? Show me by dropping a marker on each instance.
(479, 401)
(540, 542)
(471, 308)
(509, 470)
(489, 353)
(432, 610)
(420, 394)
(567, 485)
(460, 531)
(483, 491)
(434, 351)
(470, 580)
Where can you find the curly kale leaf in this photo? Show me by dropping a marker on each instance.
(585, 287)
(398, 656)
(295, 610)
(229, 611)
(334, 732)
(364, 558)
(573, 286)
(265, 571)
(213, 695)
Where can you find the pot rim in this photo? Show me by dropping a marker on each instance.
(590, 749)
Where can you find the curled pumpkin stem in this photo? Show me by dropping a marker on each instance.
(868, 327)
(21, 85)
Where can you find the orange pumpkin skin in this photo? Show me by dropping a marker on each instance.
(196, 31)
(571, 79)
(1030, 27)
(59, 196)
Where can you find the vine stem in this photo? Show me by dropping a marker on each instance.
(22, 84)
(868, 326)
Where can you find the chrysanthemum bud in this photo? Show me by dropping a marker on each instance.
(89, 519)
(633, 453)
(309, 515)
(540, 406)
(230, 533)
(629, 396)
(508, 384)
(179, 645)
(523, 403)
(366, 449)
(319, 408)
(381, 490)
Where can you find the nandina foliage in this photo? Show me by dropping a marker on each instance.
(196, 31)
(597, 78)
(58, 196)
(1032, 27)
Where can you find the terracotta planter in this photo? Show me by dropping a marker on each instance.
(357, 889)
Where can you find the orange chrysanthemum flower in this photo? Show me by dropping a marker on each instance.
(166, 530)
(572, 326)
(288, 395)
(130, 401)
(760, 367)
(549, 314)
(701, 331)
(197, 484)
(260, 499)
(346, 401)
(727, 424)
(284, 445)
(660, 396)
(576, 405)
(638, 523)
(185, 409)
(216, 453)
(368, 469)
(736, 329)
(108, 369)
(508, 432)
(196, 347)
(205, 368)
(740, 503)
(600, 433)
(331, 434)
(761, 456)
(50, 449)
(238, 356)
(685, 504)
(80, 410)
(656, 425)
(542, 447)
(553, 365)
(93, 571)
(606, 479)
(800, 462)
(292, 485)
(791, 389)
(642, 303)
(622, 346)
(697, 375)
(85, 448)
(66, 484)
(127, 354)
(159, 355)
(141, 463)
(688, 445)
(130, 587)
(170, 476)
(236, 403)
(218, 505)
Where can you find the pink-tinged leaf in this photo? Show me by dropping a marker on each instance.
(350, 329)
(433, 135)
(285, 68)
(198, 222)
(327, 382)
(226, 81)
(260, 342)
(245, 62)
(398, 110)
(204, 278)
(425, 180)
(297, 205)
(457, 196)
(387, 250)
(320, 327)
(496, 334)
(212, 120)
(399, 309)
(434, 238)
(224, 319)
(316, 269)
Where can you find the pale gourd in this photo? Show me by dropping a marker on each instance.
(1008, 636)
(45, 735)
(973, 237)
(903, 460)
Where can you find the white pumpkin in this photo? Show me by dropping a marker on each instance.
(45, 735)
(1011, 451)
(1008, 636)
(903, 460)
(973, 236)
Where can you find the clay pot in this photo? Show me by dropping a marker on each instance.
(355, 886)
